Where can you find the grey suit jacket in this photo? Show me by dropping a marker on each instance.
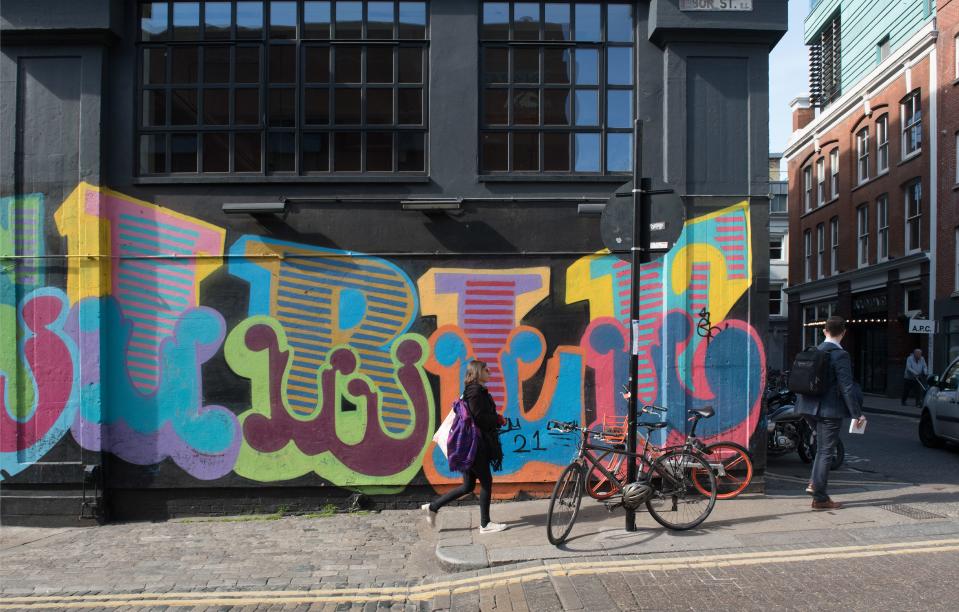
(842, 399)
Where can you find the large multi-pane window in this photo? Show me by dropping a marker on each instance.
(882, 228)
(911, 124)
(913, 215)
(882, 144)
(807, 187)
(557, 87)
(283, 87)
(862, 244)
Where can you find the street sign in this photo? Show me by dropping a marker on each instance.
(616, 225)
(715, 5)
(922, 326)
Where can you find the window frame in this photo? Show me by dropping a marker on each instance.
(955, 265)
(777, 290)
(780, 238)
(862, 235)
(807, 187)
(834, 245)
(603, 87)
(820, 181)
(820, 250)
(267, 41)
(882, 144)
(862, 154)
(911, 188)
(882, 228)
(834, 172)
(912, 124)
(807, 243)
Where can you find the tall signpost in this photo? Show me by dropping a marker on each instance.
(622, 228)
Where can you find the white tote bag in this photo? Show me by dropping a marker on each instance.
(442, 434)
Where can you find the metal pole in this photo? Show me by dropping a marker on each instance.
(638, 254)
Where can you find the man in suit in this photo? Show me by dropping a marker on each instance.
(827, 411)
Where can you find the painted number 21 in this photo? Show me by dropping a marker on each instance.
(520, 440)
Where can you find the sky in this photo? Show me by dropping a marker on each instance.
(788, 76)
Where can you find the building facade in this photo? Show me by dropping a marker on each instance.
(778, 331)
(947, 173)
(249, 247)
(861, 168)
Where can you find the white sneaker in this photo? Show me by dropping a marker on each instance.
(492, 527)
(430, 514)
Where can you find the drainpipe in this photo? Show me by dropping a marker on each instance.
(933, 195)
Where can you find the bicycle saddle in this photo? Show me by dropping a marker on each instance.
(655, 425)
(703, 412)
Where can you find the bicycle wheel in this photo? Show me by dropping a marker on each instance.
(731, 465)
(598, 485)
(564, 504)
(677, 502)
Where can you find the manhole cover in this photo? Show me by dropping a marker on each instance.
(911, 512)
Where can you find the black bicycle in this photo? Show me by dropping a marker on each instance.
(678, 487)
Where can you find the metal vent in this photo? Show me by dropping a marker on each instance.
(911, 512)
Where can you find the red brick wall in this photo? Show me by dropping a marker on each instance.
(947, 19)
(843, 136)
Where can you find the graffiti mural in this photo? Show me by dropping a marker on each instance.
(479, 314)
(350, 364)
(152, 336)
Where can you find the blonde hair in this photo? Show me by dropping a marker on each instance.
(473, 371)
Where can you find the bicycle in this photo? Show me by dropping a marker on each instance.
(666, 485)
(730, 462)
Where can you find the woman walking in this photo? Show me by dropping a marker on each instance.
(489, 453)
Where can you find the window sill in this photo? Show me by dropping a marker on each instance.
(910, 157)
(551, 178)
(227, 180)
(870, 181)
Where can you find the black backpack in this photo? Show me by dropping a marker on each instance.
(810, 372)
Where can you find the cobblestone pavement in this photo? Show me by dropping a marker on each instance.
(183, 555)
(915, 574)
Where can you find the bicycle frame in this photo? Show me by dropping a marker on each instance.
(585, 456)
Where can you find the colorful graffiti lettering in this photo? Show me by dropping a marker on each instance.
(149, 388)
(39, 390)
(340, 382)
(326, 298)
(345, 438)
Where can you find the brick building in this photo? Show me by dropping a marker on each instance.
(860, 165)
(947, 172)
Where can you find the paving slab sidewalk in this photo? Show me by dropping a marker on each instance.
(782, 517)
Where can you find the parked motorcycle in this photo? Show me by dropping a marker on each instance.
(788, 431)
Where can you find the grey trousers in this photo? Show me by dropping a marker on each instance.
(827, 436)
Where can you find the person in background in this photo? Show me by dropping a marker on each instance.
(841, 401)
(914, 378)
(489, 454)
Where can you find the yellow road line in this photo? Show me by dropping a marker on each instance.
(466, 585)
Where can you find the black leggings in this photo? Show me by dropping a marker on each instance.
(480, 471)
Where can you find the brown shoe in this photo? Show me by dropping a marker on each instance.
(826, 505)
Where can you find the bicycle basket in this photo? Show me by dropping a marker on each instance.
(614, 429)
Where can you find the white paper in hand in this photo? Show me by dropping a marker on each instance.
(855, 428)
